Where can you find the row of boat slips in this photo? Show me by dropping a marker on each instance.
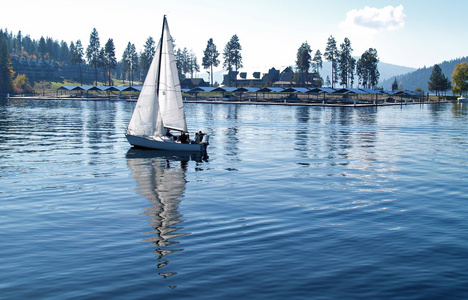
(299, 90)
(289, 90)
(87, 88)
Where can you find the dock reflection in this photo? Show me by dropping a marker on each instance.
(161, 178)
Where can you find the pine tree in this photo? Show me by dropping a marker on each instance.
(367, 68)
(77, 57)
(93, 50)
(193, 64)
(344, 60)
(232, 55)
(146, 57)
(64, 53)
(395, 85)
(317, 61)
(210, 58)
(331, 54)
(437, 81)
(303, 62)
(185, 61)
(351, 69)
(19, 43)
(180, 63)
(134, 60)
(42, 48)
(6, 70)
(109, 58)
(130, 61)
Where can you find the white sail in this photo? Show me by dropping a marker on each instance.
(159, 106)
(146, 116)
(170, 96)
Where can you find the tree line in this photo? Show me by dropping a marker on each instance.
(439, 83)
(344, 66)
(133, 65)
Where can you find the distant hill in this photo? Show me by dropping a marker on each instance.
(390, 71)
(420, 77)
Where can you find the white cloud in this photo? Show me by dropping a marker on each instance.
(375, 19)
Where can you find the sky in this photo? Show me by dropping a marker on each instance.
(407, 33)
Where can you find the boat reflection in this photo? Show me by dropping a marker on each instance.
(160, 176)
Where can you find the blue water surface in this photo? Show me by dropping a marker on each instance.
(290, 202)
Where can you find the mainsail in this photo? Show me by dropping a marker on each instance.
(160, 103)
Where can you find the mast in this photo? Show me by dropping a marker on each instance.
(160, 54)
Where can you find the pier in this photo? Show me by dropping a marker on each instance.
(291, 96)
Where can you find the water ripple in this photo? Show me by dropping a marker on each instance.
(292, 202)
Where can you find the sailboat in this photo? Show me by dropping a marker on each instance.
(160, 107)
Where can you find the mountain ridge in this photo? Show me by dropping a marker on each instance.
(420, 77)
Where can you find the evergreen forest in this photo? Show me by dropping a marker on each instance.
(46, 59)
(420, 78)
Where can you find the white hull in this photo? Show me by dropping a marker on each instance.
(164, 144)
(463, 100)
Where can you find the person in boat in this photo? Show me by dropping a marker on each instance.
(197, 138)
(184, 138)
(200, 135)
(168, 133)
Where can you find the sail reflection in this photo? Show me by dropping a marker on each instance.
(160, 176)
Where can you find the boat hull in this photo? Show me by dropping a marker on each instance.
(163, 144)
(463, 100)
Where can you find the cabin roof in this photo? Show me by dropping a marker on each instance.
(224, 89)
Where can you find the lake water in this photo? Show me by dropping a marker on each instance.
(289, 203)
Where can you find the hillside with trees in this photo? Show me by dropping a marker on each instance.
(46, 60)
(421, 77)
(6, 70)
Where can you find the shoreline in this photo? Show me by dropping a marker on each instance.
(311, 103)
(246, 102)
